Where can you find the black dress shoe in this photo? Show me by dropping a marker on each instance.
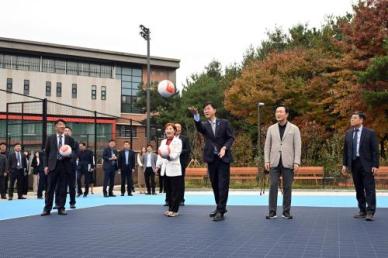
(85, 195)
(360, 215)
(105, 195)
(22, 198)
(212, 214)
(40, 197)
(287, 215)
(112, 195)
(218, 217)
(369, 217)
(122, 194)
(10, 199)
(130, 194)
(72, 206)
(271, 215)
(62, 212)
(45, 213)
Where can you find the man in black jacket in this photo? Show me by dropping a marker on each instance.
(184, 157)
(4, 176)
(110, 167)
(85, 168)
(17, 164)
(218, 134)
(126, 163)
(362, 159)
(57, 168)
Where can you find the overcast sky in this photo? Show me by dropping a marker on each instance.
(194, 31)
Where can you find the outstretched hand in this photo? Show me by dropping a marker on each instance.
(193, 110)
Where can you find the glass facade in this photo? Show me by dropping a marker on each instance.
(26, 88)
(59, 89)
(9, 84)
(51, 65)
(94, 92)
(48, 88)
(74, 91)
(125, 131)
(131, 81)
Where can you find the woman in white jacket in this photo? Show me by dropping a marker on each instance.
(168, 163)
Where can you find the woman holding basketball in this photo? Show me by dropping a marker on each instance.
(169, 164)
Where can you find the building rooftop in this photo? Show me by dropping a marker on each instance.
(98, 55)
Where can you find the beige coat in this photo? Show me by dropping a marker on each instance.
(289, 148)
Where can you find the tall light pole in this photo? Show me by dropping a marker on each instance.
(145, 33)
(259, 104)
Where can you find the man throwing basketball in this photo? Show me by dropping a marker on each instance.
(219, 138)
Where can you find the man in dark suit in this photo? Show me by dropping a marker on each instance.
(126, 164)
(85, 168)
(218, 134)
(362, 159)
(184, 158)
(57, 168)
(110, 167)
(3, 172)
(17, 164)
(4, 180)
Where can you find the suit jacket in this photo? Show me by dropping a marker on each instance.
(171, 166)
(12, 161)
(368, 149)
(85, 159)
(51, 152)
(186, 150)
(289, 148)
(224, 136)
(144, 160)
(108, 164)
(131, 160)
(3, 164)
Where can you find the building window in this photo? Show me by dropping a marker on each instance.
(48, 89)
(125, 131)
(59, 89)
(131, 79)
(103, 92)
(94, 92)
(9, 84)
(26, 88)
(74, 91)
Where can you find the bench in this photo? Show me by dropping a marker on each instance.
(310, 173)
(382, 175)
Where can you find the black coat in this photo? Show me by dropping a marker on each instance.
(223, 137)
(368, 149)
(131, 160)
(186, 151)
(51, 152)
(108, 164)
(12, 161)
(37, 168)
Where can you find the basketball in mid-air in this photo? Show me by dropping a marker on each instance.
(65, 150)
(166, 88)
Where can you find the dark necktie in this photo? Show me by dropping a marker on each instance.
(59, 146)
(354, 144)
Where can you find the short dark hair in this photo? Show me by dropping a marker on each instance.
(149, 145)
(18, 143)
(209, 103)
(111, 140)
(360, 114)
(60, 120)
(126, 142)
(68, 127)
(283, 106)
(3, 143)
(83, 143)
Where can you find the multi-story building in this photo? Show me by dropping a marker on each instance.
(81, 78)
